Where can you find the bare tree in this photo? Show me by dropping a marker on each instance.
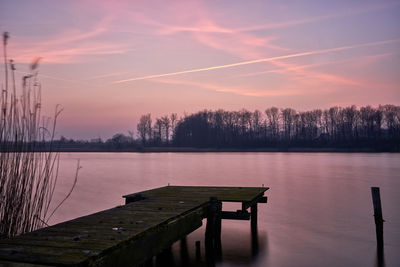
(273, 121)
(166, 125)
(331, 127)
(157, 131)
(174, 120)
(144, 128)
(287, 117)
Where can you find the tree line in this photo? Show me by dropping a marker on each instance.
(336, 127)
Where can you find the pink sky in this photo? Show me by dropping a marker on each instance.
(108, 62)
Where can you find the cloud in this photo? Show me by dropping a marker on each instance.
(362, 60)
(206, 31)
(203, 26)
(269, 59)
(228, 89)
(290, 23)
(71, 45)
(64, 55)
(242, 45)
(303, 72)
(107, 75)
(309, 75)
(238, 41)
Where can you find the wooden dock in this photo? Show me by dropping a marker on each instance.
(132, 234)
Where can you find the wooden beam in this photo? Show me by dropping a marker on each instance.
(134, 198)
(248, 204)
(263, 200)
(235, 215)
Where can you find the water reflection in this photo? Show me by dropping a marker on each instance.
(254, 242)
(245, 251)
(319, 213)
(232, 250)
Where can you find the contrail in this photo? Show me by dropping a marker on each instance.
(315, 52)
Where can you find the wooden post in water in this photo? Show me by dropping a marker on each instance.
(165, 257)
(253, 218)
(376, 200)
(218, 229)
(184, 251)
(198, 251)
(148, 263)
(213, 227)
(213, 231)
(210, 226)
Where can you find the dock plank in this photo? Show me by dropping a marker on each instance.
(150, 221)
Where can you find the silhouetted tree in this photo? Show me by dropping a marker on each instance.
(287, 117)
(273, 122)
(174, 120)
(144, 128)
(119, 140)
(166, 125)
(336, 126)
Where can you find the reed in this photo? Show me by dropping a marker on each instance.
(29, 160)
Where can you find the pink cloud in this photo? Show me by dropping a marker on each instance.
(277, 60)
(62, 54)
(245, 46)
(207, 31)
(237, 90)
(237, 41)
(296, 22)
(71, 45)
(201, 26)
(305, 74)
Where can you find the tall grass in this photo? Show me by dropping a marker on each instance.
(29, 161)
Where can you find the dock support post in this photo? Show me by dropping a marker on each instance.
(218, 230)
(148, 263)
(213, 227)
(184, 251)
(376, 200)
(254, 230)
(198, 251)
(213, 231)
(165, 258)
(253, 218)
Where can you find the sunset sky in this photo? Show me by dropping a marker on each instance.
(108, 62)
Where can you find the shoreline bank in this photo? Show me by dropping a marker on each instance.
(225, 150)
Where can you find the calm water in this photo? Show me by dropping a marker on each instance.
(319, 210)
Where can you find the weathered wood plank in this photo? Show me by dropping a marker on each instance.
(223, 193)
(138, 250)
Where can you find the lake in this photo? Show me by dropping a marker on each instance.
(319, 210)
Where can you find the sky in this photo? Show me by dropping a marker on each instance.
(106, 63)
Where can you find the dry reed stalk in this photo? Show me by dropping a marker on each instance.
(29, 160)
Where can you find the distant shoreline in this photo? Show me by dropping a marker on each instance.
(224, 150)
